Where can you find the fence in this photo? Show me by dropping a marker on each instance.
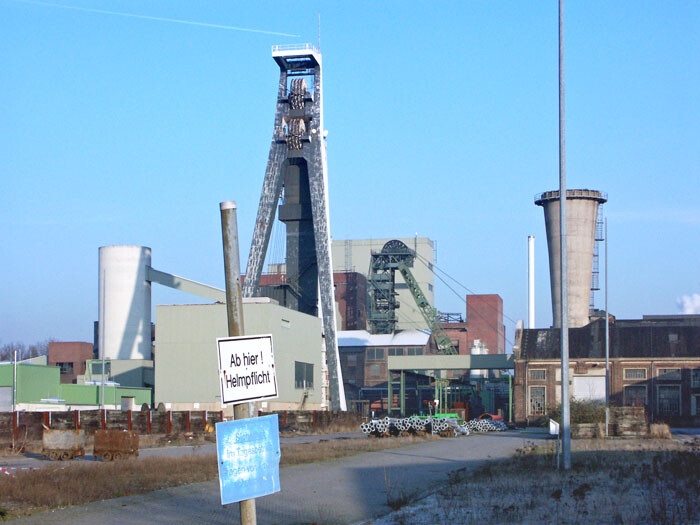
(29, 425)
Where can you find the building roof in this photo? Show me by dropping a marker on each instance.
(645, 338)
(364, 338)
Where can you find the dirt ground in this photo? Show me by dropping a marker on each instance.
(611, 481)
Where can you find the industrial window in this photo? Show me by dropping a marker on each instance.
(395, 351)
(695, 407)
(375, 354)
(669, 374)
(669, 397)
(635, 373)
(375, 370)
(672, 338)
(414, 351)
(303, 375)
(66, 367)
(695, 378)
(97, 368)
(635, 395)
(351, 359)
(537, 400)
(538, 375)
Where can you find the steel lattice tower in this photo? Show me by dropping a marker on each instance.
(297, 163)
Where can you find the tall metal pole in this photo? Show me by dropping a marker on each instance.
(607, 338)
(14, 383)
(565, 407)
(14, 400)
(102, 339)
(531, 281)
(234, 312)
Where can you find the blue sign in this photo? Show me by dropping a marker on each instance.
(248, 452)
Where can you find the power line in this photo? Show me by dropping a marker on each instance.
(461, 297)
(433, 267)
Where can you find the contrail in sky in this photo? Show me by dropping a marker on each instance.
(157, 18)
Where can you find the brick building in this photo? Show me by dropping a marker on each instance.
(654, 362)
(363, 357)
(485, 322)
(350, 294)
(71, 357)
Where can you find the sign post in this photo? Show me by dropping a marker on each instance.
(234, 313)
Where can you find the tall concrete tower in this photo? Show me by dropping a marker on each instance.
(582, 212)
(296, 169)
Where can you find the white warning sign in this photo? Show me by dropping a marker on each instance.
(246, 368)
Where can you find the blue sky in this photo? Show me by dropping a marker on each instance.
(442, 120)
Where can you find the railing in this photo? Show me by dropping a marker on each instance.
(294, 47)
(592, 194)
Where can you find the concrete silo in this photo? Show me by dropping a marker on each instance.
(582, 213)
(124, 302)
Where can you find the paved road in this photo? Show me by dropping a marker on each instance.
(348, 490)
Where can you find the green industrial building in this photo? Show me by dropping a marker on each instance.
(39, 387)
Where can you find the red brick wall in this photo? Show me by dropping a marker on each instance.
(70, 352)
(485, 321)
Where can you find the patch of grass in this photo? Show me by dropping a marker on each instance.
(617, 481)
(77, 483)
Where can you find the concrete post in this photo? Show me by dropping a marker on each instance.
(234, 311)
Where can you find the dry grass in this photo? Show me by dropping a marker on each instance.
(660, 431)
(618, 481)
(78, 483)
(328, 450)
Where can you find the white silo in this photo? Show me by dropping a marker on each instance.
(581, 215)
(124, 302)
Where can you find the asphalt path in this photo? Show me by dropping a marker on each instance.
(354, 489)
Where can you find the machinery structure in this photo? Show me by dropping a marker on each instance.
(296, 173)
(395, 255)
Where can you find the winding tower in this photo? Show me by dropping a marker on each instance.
(296, 173)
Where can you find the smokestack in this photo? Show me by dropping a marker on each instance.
(531, 281)
(581, 214)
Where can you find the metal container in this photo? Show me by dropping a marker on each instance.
(115, 444)
(63, 444)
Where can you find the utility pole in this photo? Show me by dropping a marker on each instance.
(14, 398)
(607, 338)
(234, 312)
(565, 406)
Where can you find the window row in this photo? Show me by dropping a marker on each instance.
(632, 374)
(668, 399)
(377, 354)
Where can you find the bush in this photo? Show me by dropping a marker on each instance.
(582, 411)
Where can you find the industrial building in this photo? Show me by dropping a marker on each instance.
(354, 255)
(70, 357)
(654, 362)
(39, 387)
(350, 294)
(186, 365)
